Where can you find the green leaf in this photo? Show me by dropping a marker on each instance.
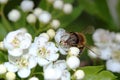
(3, 57)
(92, 69)
(118, 10)
(68, 19)
(99, 9)
(43, 4)
(3, 32)
(97, 73)
(106, 75)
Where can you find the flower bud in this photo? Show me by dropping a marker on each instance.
(55, 24)
(31, 18)
(79, 74)
(37, 11)
(51, 33)
(2, 69)
(50, 1)
(67, 8)
(27, 5)
(10, 76)
(45, 17)
(73, 62)
(45, 35)
(2, 46)
(3, 1)
(14, 15)
(33, 78)
(58, 4)
(73, 51)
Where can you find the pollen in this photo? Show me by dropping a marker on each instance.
(15, 42)
(23, 62)
(43, 52)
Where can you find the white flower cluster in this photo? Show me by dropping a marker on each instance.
(24, 55)
(60, 5)
(107, 47)
(8, 75)
(43, 16)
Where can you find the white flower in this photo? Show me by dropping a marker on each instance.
(22, 65)
(14, 15)
(113, 65)
(73, 62)
(45, 17)
(10, 76)
(44, 51)
(57, 70)
(27, 5)
(60, 37)
(31, 18)
(17, 41)
(55, 23)
(73, 51)
(33, 78)
(101, 35)
(67, 8)
(37, 11)
(79, 74)
(3, 1)
(58, 4)
(105, 53)
(2, 69)
(102, 38)
(51, 33)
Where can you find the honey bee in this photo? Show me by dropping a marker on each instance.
(71, 39)
(76, 40)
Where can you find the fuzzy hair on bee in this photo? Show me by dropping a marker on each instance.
(76, 40)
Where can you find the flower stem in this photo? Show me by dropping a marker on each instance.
(4, 20)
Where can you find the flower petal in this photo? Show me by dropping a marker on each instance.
(13, 59)
(61, 64)
(62, 51)
(11, 67)
(42, 61)
(65, 75)
(26, 41)
(33, 50)
(53, 57)
(52, 74)
(15, 52)
(32, 62)
(60, 32)
(24, 73)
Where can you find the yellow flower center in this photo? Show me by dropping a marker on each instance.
(23, 62)
(43, 52)
(15, 42)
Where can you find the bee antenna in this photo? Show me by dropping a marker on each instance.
(91, 50)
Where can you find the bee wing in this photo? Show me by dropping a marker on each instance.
(88, 30)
